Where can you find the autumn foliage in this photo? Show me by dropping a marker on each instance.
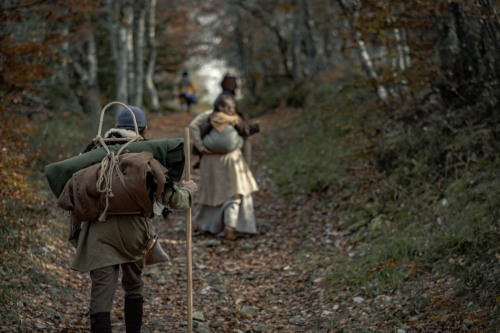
(392, 201)
(26, 57)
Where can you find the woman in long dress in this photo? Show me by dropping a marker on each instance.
(224, 201)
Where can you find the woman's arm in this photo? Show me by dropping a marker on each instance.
(245, 129)
(194, 129)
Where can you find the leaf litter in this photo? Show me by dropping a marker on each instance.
(271, 282)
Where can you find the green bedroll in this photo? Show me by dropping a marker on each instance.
(169, 152)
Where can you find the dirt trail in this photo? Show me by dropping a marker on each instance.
(271, 282)
(254, 284)
(250, 285)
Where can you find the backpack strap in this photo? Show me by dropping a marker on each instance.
(109, 163)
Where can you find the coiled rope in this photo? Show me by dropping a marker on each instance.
(109, 164)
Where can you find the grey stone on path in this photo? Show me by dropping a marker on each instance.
(264, 328)
(54, 291)
(217, 323)
(220, 289)
(299, 321)
(212, 242)
(161, 281)
(152, 272)
(249, 246)
(248, 311)
(215, 279)
(358, 300)
(248, 277)
(261, 222)
(40, 326)
(200, 327)
(198, 316)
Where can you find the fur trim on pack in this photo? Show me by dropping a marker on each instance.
(120, 133)
(114, 132)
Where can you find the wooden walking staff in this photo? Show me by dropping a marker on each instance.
(187, 169)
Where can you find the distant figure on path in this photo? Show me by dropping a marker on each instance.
(229, 85)
(187, 91)
(225, 203)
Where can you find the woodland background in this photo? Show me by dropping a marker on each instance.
(396, 147)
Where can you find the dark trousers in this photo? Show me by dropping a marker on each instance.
(105, 283)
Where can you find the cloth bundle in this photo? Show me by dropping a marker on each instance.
(223, 137)
(134, 187)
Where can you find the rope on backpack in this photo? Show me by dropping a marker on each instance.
(109, 164)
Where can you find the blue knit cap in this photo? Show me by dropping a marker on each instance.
(125, 119)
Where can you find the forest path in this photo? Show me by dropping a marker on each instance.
(253, 284)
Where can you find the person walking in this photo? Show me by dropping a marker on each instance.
(225, 203)
(229, 85)
(122, 242)
(187, 91)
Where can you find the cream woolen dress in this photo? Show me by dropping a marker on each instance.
(225, 188)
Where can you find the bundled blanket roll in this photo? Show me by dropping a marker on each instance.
(169, 152)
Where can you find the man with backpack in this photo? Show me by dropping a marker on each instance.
(122, 241)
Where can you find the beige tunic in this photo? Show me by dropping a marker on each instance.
(225, 192)
(235, 213)
(223, 176)
(121, 238)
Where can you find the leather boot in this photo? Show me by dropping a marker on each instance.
(100, 322)
(133, 314)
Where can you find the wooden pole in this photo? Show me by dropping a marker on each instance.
(187, 175)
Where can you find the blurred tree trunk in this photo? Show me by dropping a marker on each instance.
(473, 65)
(268, 21)
(311, 44)
(150, 89)
(330, 36)
(132, 30)
(468, 49)
(119, 26)
(478, 35)
(136, 90)
(296, 52)
(364, 55)
(127, 33)
(83, 67)
(490, 32)
(367, 63)
(242, 51)
(448, 50)
(402, 60)
(399, 54)
(468, 41)
(283, 48)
